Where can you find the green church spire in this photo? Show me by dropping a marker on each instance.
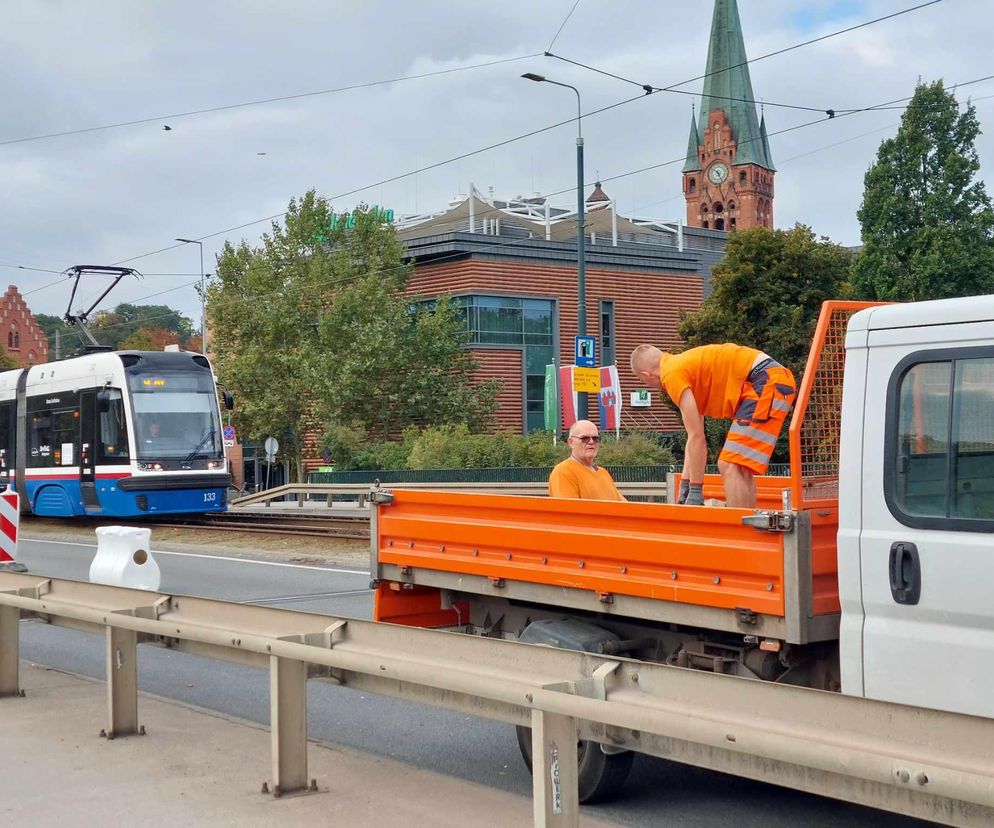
(728, 86)
(693, 162)
(766, 145)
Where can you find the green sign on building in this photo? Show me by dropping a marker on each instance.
(551, 415)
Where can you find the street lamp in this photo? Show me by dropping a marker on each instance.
(203, 294)
(581, 265)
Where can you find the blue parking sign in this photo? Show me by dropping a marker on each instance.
(585, 352)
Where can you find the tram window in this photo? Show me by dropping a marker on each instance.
(40, 438)
(6, 438)
(113, 439)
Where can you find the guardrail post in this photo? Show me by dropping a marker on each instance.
(122, 682)
(288, 724)
(554, 770)
(9, 651)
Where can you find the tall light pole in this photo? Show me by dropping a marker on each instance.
(203, 294)
(581, 265)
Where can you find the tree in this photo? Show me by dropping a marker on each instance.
(927, 224)
(767, 293)
(57, 329)
(117, 326)
(150, 339)
(313, 326)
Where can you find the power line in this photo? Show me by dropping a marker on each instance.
(562, 26)
(278, 99)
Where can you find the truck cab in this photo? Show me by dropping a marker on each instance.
(916, 505)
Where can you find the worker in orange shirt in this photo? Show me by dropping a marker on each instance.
(579, 475)
(727, 382)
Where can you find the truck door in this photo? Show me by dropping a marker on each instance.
(926, 557)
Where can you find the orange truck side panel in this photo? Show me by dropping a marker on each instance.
(671, 553)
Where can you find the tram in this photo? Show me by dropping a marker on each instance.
(114, 434)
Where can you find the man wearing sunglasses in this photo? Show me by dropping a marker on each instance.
(579, 476)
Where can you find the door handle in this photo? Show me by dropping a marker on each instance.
(905, 573)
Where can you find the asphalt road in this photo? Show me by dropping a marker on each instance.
(658, 793)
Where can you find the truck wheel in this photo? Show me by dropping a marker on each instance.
(600, 777)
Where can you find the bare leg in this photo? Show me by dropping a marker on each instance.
(740, 485)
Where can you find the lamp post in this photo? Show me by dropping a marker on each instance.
(581, 265)
(203, 294)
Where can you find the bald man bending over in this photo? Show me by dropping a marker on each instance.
(579, 476)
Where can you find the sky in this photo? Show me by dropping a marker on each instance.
(122, 195)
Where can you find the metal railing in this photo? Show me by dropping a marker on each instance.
(923, 763)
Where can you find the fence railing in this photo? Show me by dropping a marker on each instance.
(922, 763)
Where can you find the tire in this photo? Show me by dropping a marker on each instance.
(600, 776)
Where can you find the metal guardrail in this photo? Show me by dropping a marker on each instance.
(922, 763)
(302, 492)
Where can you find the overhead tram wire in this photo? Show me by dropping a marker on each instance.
(650, 88)
(263, 101)
(572, 188)
(644, 87)
(562, 25)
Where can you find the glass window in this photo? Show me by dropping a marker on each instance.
(922, 439)
(945, 442)
(176, 416)
(112, 441)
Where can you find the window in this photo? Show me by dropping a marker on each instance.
(719, 207)
(52, 438)
(14, 339)
(742, 178)
(715, 131)
(691, 185)
(112, 440)
(719, 224)
(731, 206)
(940, 442)
(7, 431)
(525, 323)
(607, 333)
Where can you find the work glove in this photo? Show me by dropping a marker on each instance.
(695, 495)
(684, 490)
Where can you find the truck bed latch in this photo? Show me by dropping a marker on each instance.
(378, 495)
(770, 521)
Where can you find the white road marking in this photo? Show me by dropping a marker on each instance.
(363, 572)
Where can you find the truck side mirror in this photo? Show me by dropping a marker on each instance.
(229, 400)
(103, 401)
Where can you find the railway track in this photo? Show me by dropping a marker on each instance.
(274, 523)
(313, 525)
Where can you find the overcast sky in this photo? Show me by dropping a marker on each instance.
(113, 195)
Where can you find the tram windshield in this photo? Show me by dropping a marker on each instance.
(176, 416)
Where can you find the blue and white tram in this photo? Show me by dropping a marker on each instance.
(114, 434)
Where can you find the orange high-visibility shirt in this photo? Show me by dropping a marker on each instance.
(714, 374)
(571, 478)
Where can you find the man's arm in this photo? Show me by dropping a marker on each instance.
(563, 485)
(696, 452)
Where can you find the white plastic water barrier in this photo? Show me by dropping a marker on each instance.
(124, 559)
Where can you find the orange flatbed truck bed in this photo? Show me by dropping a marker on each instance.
(465, 560)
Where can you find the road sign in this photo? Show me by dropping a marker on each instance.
(585, 352)
(641, 398)
(272, 446)
(228, 432)
(586, 379)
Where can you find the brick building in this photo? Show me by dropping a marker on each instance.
(511, 268)
(728, 174)
(20, 334)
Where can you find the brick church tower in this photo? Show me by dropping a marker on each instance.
(728, 176)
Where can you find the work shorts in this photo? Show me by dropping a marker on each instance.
(766, 399)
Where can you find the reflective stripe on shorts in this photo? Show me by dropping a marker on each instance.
(759, 416)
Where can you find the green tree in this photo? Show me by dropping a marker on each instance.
(927, 223)
(121, 324)
(314, 326)
(55, 327)
(767, 293)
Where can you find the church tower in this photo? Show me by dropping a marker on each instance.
(728, 175)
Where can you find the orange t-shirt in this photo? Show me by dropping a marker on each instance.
(573, 479)
(714, 374)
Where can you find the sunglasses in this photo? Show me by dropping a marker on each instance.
(587, 438)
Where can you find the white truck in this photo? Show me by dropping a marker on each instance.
(869, 572)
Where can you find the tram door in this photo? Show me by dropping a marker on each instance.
(88, 450)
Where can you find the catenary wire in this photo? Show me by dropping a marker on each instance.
(562, 25)
(278, 99)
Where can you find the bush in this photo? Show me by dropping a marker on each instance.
(456, 447)
(634, 449)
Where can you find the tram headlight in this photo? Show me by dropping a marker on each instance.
(215, 464)
(152, 467)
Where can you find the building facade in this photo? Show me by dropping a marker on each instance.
(511, 268)
(728, 175)
(21, 336)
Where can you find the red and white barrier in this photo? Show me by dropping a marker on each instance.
(10, 515)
